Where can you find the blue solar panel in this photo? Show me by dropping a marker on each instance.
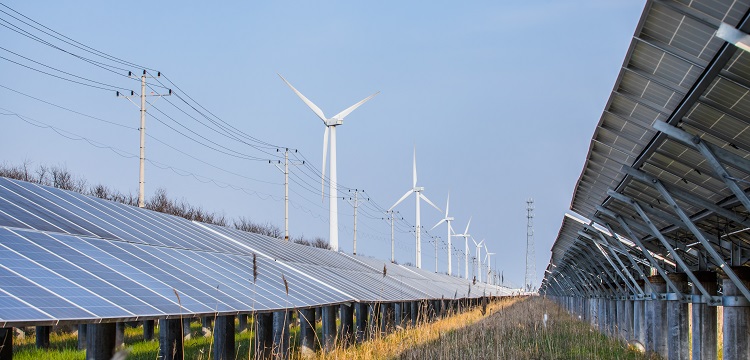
(66, 256)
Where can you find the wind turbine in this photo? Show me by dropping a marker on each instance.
(479, 258)
(488, 255)
(466, 236)
(447, 219)
(417, 195)
(330, 124)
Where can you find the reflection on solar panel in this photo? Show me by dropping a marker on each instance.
(69, 257)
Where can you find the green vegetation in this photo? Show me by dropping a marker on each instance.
(511, 328)
(517, 331)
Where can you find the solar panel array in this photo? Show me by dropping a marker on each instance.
(67, 257)
(677, 71)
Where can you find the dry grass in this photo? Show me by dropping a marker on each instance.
(399, 342)
(511, 329)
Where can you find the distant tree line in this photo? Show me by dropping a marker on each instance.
(61, 178)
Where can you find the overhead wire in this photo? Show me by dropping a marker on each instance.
(225, 128)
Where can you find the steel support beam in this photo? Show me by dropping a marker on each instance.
(706, 245)
(646, 253)
(666, 244)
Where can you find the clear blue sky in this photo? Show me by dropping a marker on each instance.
(499, 98)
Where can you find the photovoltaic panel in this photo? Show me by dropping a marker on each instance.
(70, 257)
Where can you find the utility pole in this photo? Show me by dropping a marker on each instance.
(436, 253)
(355, 204)
(286, 188)
(393, 238)
(142, 176)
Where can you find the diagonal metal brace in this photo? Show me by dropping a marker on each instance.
(666, 244)
(714, 156)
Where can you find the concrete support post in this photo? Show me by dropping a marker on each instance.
(242, 320)
(398, 314)
(678, 321)
(42, 336)
(81, 336)
(281, 334)
(100, 341)
(406, 309)
(628, 318)
(705, 327)
(622, 330)
(346, 316)
(186, 328)
(736, 318)
(612, 317)
(414, 313)
(639, 321)
(384, 318)
(6, 343)
(307, 331)
(206, 325)
(329, 327)
(658, 309)
(263, 341)
(148, 330)
(170, 339)
(119, 335)
(362, 311)
(602, 315)
(224, 338)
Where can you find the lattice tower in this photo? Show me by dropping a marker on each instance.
(530, 281)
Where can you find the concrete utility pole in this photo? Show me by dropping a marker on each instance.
(285, 170)
(355, 203)
(142, 176)
(393, 239)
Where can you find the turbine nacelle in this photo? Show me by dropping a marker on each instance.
(418, 189)
(334, 122)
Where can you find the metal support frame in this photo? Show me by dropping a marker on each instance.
(699, 235)
(637, 267)
(611, 263)
(664, 242)
(638, 242)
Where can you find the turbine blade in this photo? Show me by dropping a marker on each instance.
(348, 111)
(467, 227)
(414, 168)
(436, 225)
(325, 156)
(429, 202)
(447, 204)
(307, 101)
(401, 199)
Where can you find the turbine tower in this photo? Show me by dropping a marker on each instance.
(466, 236)
(530, 262)
(479, 258)
(447, 219)
(418, 196)
(330, 124)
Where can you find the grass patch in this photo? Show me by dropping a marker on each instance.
(516, 331)
(512, 328)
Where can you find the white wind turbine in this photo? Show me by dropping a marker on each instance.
(330, 124)
(466, 236)
(447, 219)
(488, 256)
(418, 196)
(479, 258)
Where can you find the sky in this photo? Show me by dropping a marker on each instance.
(499, 99)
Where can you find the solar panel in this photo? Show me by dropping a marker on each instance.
(69, 257)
